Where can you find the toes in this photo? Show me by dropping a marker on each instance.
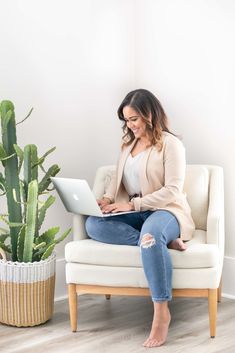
(181, 244)
(146, 343)
(154, 343)
(149, 343)
(159, 343)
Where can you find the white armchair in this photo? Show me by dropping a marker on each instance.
(95, 267)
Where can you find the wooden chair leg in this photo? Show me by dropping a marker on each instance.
(219, 291)
(212, 306)
(73, 306)
(107, 296)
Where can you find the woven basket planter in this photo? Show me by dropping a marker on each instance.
(27, 292)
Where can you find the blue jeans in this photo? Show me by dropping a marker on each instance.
(134, 229)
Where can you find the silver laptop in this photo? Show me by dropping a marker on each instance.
(78, 198)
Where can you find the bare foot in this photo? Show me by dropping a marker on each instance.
(159, 330)
(177, 244)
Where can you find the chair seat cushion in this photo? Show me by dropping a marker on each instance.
(88, 251)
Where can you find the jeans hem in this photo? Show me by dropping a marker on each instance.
(160, 300)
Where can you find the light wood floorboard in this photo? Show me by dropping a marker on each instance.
(121, 324)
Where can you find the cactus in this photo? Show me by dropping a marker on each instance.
(30, 168)
(31, 216)
(12, 181)
(26, 243)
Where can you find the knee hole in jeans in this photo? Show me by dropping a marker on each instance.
(147, 241)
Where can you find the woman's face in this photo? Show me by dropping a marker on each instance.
(134, 122)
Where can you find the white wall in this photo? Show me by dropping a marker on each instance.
(74, 61)
(185, 55)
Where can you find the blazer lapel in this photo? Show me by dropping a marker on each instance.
(143, 170)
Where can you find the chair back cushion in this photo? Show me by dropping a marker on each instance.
(196, 187)
(102, 179)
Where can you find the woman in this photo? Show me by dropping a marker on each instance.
(149, 179)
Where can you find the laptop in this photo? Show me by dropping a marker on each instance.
(78, 198)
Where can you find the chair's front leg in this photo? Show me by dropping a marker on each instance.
(212, 306)
(73, 306)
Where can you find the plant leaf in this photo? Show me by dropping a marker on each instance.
(42, 159)
(20, 155)
(46, 180)
(5, 247)
(49, 235)
(3, 153)
(3, 237)
(2, 184)
(63, 236)
(40, 245)
(4, 230)
(8, 157)
(43, 209)
(48, 251)
(29, 113)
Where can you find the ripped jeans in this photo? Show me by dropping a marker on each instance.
(152, 231)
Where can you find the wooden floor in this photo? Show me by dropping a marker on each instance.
(120, 325)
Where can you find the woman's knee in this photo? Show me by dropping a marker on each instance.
(147, 241)
(151, 234)
(91, 225)
(157, 227)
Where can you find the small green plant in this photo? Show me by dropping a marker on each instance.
(20, 184)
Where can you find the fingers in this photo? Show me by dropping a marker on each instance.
(103, 202)
(116, 207)
(109, 208)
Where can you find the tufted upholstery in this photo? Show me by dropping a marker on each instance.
(118, 268)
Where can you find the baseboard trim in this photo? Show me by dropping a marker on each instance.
(228, 285)
(229, 296)
(59, 299)
(65, 297)
(60, 283)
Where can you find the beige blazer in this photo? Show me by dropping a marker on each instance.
(162, 177)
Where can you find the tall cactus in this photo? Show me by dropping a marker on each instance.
(26, 243)
(12, 181)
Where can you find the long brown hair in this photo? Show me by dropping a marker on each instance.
(148, 106)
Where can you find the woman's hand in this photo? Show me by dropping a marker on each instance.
(103, 202)
(118, 207)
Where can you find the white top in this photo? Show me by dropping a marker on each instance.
(131, 174)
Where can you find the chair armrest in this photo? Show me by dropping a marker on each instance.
(79, 231)
(215, 218)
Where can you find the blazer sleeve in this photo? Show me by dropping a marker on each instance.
(174, 165)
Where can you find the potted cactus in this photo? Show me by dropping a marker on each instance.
(27, 267)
